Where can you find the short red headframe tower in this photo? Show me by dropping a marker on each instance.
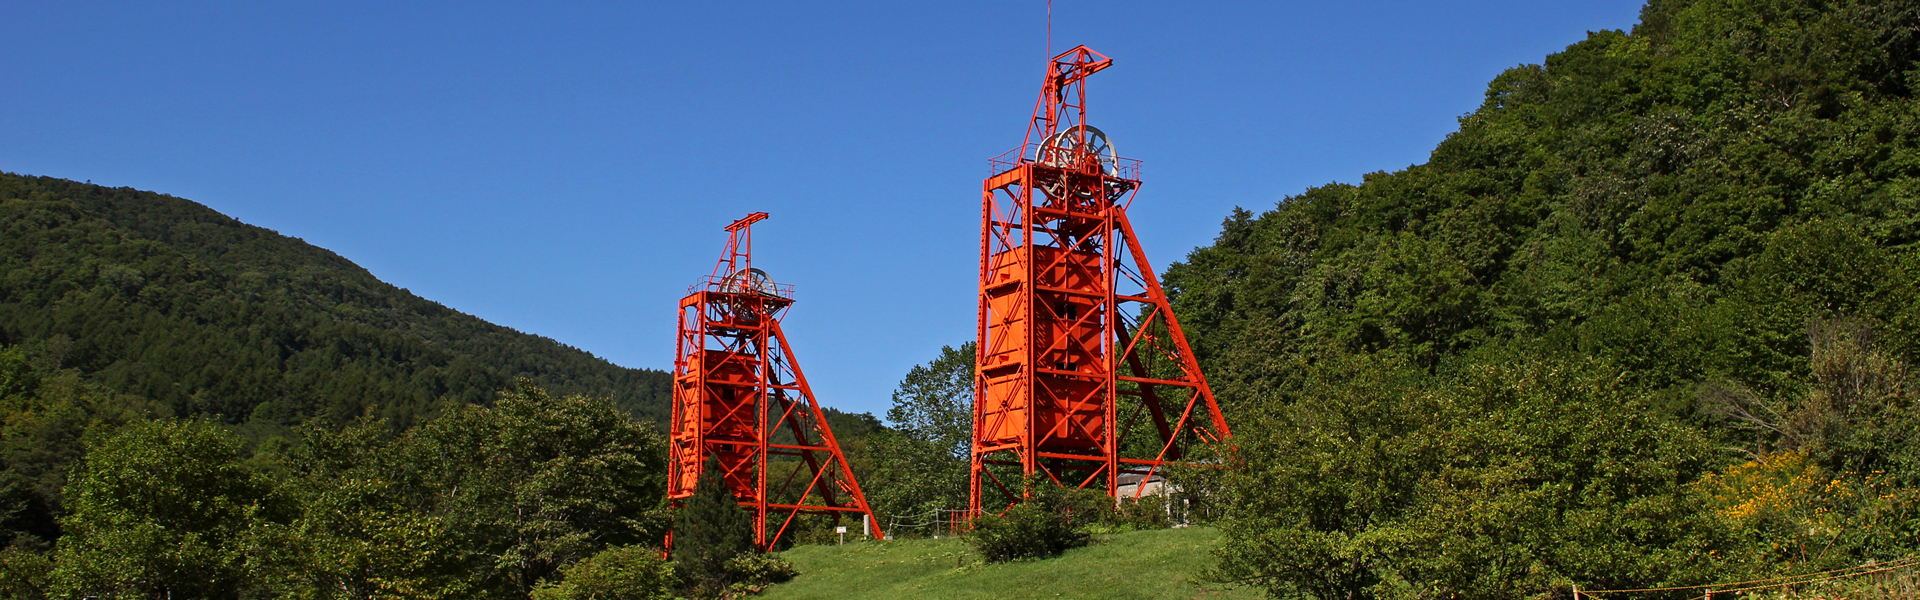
(1082, 373)
(739, 396)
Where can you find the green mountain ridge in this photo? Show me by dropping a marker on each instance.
(163, 298)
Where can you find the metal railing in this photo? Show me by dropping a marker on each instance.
(732, 285)
(1121, 167)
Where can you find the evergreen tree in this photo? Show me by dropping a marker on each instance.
(709, 531)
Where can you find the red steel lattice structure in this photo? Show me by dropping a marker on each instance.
(739, 395)
(1076, 340)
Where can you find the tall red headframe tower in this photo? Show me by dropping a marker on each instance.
(739, 395)
(1082, 373)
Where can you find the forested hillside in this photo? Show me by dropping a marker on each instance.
(164, 299)
(1646, 319)
(193, 406)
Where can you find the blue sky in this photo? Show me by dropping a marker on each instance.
(566, 170)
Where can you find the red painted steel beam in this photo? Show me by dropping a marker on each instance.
(1052, 340)
(738, 386)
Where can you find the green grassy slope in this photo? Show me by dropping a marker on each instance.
(1140, 564)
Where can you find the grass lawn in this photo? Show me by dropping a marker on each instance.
(1139, 564)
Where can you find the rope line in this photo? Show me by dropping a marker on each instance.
(1775, 585)
(1782, 581)
(931, 518)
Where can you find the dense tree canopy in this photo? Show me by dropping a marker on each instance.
(384, 460)
(1576, 342)
(163, 298)
(477, 502)
(920, 464)
(166, 508)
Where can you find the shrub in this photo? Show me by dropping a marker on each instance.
(1143, 513)
(754, 571)
(617, 573)
(1049, 523)
(1025, 531)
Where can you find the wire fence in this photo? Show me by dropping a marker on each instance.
(933, 523)
(1731, 589)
